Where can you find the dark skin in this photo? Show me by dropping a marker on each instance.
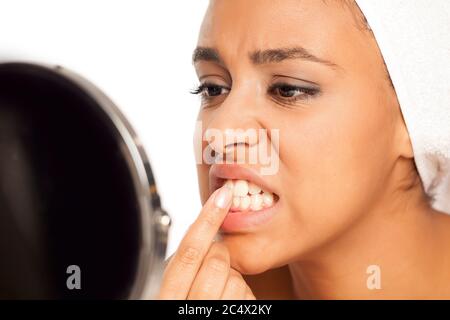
(349, 193)
(274, 284)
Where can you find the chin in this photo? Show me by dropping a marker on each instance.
(250, 265)
(247, 257)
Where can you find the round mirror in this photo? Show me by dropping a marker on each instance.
(80, 215)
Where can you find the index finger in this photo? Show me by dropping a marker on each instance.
(185, 263)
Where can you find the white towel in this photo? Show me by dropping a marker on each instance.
(414, 39)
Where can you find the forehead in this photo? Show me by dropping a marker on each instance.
(326, 28)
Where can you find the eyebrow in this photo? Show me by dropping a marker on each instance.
(206, 54)
(258, 57)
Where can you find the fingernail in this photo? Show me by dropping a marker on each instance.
(223, 198)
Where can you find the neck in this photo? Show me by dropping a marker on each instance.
(394, 251)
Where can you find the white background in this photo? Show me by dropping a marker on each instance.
(139, 54)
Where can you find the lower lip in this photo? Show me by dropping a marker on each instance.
(239, 221)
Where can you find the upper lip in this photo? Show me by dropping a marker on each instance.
(219, 173)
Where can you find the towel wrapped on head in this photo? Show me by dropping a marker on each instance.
(414, 39)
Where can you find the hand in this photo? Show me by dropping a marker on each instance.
(200, 268)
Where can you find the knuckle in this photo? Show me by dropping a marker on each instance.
(189, 255)
(218, 248)
(201, 293)
(218, 264)
(219, 251)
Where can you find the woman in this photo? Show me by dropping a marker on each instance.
(345, 215)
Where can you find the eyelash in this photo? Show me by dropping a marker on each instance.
(307, 92)
(201, 89)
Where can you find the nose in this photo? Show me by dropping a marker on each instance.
(234, 129)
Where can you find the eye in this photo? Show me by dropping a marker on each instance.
(210, 90)
(288, 91)
(292, 93)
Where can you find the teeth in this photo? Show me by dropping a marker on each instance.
(256, 202)
(244, 203)
(248, 195)
(253, 188)
(267, 198)
(236, 203)
(240, 188)
(229, 184)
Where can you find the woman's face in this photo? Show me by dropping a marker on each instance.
(337, 138)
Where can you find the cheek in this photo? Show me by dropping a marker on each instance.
(334, 161)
